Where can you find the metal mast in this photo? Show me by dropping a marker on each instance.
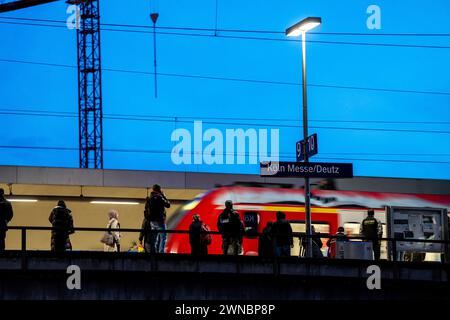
(90, 86)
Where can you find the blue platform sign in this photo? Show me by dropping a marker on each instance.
(312, 148)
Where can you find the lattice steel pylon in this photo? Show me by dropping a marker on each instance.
(90, 106)
(89, 76)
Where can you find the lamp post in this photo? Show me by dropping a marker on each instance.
(297, 29)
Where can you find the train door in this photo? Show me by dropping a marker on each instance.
(299, 226)
(251, 221)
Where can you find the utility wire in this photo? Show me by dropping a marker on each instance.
(20, 111)
(384, 160)
(288, 126)
(112, 117)
(230, 79)
(217, 154)
(254, 38)
(243, 30)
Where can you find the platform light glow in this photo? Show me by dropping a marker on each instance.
(114, 202)
(22, 200)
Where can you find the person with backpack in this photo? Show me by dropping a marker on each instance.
(155, 221)
(282, 235)
(372, 229)
(62, 223)
(199, 238)
(111, 239)
(6, 215)
(230, 225)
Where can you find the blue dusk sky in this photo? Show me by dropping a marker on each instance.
(379, 99)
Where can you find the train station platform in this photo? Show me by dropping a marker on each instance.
(181, 181)
(123, 276)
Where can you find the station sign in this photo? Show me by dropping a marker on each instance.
(312, 148)
(306, 170)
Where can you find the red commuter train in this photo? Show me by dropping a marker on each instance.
(258, 205)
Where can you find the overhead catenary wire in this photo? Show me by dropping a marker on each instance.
(246, 124)
(216, 35)
(228, 78)
(377, 34)
(75, 149)
(41, 112)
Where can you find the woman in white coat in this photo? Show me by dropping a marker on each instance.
(113, 229)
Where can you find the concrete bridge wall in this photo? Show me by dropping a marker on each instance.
(124, 276)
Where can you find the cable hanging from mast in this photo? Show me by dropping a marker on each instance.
(154, 16)
(217, 10)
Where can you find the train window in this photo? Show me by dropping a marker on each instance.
(251, 222)
(299, 226)
(319, 227)
(352, 228)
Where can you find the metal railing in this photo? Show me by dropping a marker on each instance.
(392, 247)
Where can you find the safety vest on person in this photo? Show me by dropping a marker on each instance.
(370, 227)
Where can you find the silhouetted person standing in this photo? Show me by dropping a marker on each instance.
(62, 222)
(6, 215)
(229, 225)
(282, 233)
(113, 241)
(199, 239)
(155, 220)
(372, 229)
(265, 241)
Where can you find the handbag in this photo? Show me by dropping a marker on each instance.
(108, 238)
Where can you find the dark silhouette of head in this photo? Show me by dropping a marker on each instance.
(341, 229)
(281, 215)
(156, 187)
(370, 212)
(196, 217)
(61, 204)
(229, 204)
(2, 192)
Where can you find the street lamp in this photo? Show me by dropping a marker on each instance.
(297, 29)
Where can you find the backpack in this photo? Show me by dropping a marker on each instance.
(153, 209)
(205, 237)
(61, 220)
